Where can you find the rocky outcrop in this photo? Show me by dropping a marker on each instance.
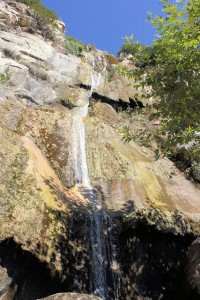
(42, 209)
(128, 172)
(42, 73)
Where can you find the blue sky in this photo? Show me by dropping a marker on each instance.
(104, 23)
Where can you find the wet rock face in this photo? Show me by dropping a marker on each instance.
(154, 265)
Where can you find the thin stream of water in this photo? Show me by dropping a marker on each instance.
(102, 252)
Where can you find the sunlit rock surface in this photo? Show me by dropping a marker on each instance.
(31, 58)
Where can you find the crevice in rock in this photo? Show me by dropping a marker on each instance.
(67, 103)
(4, 39)
(31, 55)
(10, 53)
(85, 87)
(135, 103)
(21, 94)
(119, 105)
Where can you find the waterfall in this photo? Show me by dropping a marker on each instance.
(80, 162)
(103, 252)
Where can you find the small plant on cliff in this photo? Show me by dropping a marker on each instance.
(73, 45)
(40, 9)
(5, 76)
(44, 18)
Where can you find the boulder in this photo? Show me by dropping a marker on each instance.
(71, 296)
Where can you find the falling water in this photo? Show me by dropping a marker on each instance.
(103, 252)
(80, 162)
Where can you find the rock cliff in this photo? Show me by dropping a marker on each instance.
(44, 212)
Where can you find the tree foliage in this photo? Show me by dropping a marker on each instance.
(130, 47)
(171, 66)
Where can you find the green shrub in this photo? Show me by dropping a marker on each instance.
(4, 77)
(74, 46)
(131, 48)
(196, 171)
(148, 53)
(40, 9)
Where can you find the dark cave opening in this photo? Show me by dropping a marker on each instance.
(32, 277)
(154, 264)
